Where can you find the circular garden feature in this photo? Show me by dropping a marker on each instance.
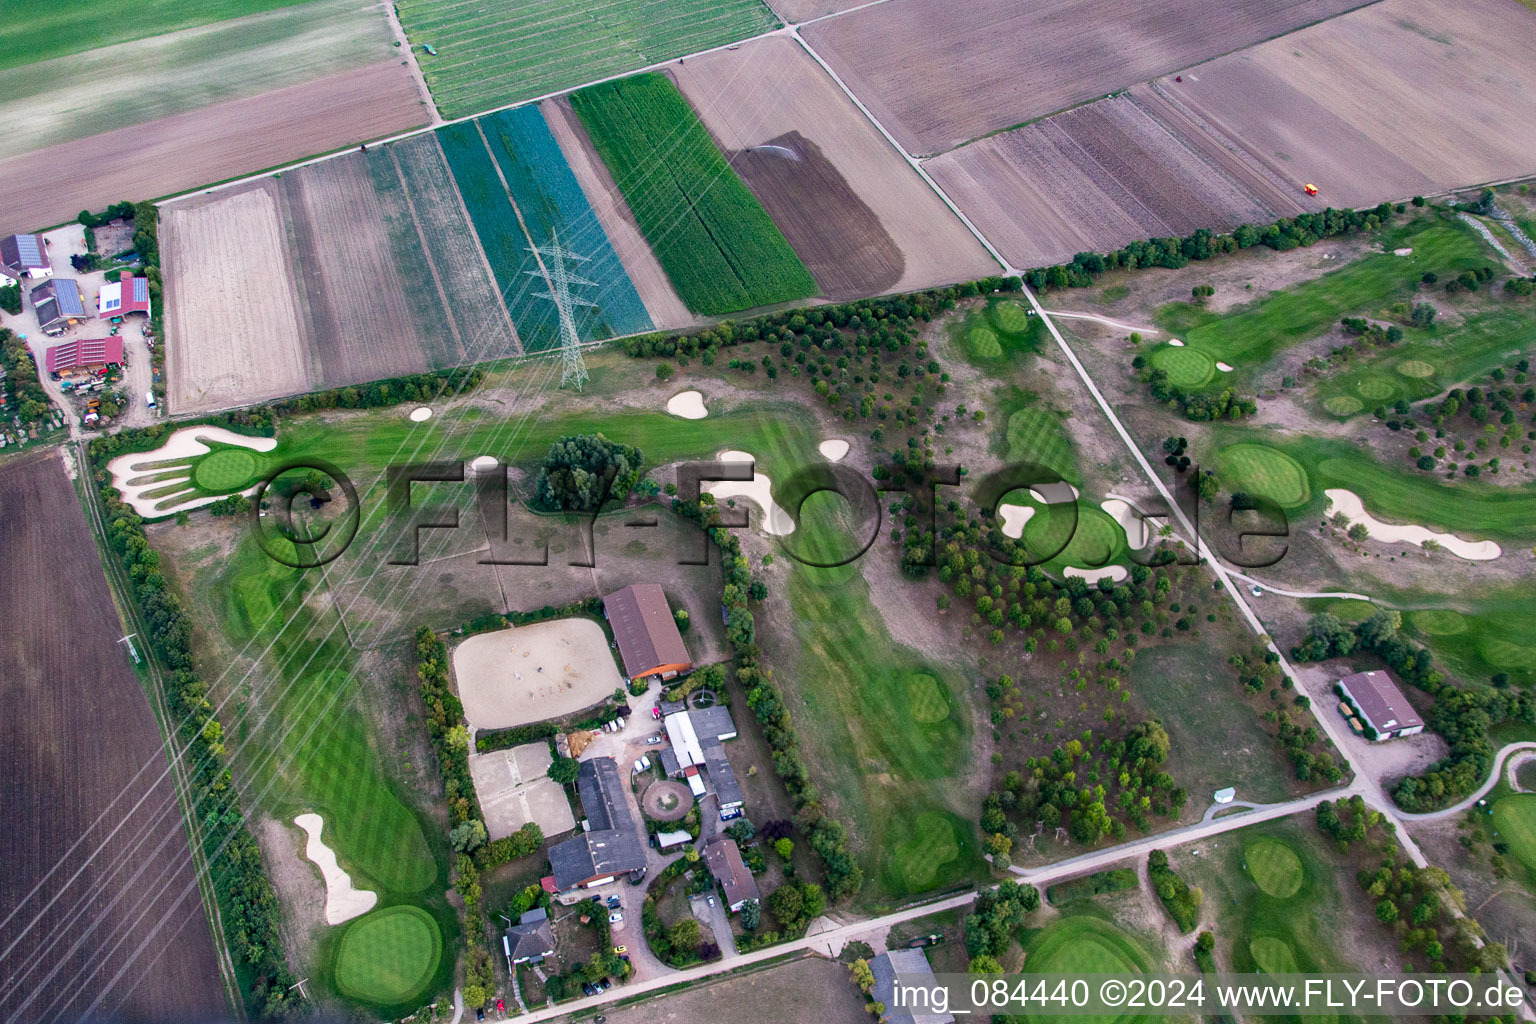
(1415, 368)
(387, 958)
(925, 698)
(929, 845)
(1515, 818)
(1275, 868)
(1439, 622)
(665, 800)
(226, 469)
(1186, 367)
(1260, 469)
(1343, 405)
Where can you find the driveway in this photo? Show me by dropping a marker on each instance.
(718, 920)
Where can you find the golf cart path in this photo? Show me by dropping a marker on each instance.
(1106, 321)
(1340, 594)
(1494, 777)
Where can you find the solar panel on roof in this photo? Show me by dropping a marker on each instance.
(30, 249)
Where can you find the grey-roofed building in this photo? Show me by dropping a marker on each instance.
(696, 735)
(531, 939)
(914, 970)
(1381, 704)
(723, 778)
(713, 723)
(58, 304)
(669, 763)
(723, 857)
(25, 256)
(648, 638)
(612, 844)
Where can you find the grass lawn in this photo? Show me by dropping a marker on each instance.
(1081, 943)
(1187, 367)
(501, 51)
(387, 957)
(1251, 335)
(1274, 866)
(885, 732)
(1515, 819)
(1260, 469)
(1030, 431)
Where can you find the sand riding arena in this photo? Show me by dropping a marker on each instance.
(533, 673)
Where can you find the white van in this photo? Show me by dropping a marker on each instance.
(149, 399)
(642, 765)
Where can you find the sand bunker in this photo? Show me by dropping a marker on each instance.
(1014, 518)
(760, 492)
(183, 445)
(1053, 494)
(531, 673)
(1223, 367)
(420, 413)
(483, 464)
(1349, 503)
(1175, 342)
(1137, 533)
(833, 450)
(342, 901)
(687, 404)
(1114, 572)
(1402, 252)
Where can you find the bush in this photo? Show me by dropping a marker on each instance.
(1181, 901)
(584, 472)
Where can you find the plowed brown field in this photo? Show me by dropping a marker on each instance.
(770, 88)
(938, 74)
(49, 186)
(804, 10)
(1403, 97)
(1095, 178)
(99, 910)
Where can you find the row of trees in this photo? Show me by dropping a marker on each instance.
(1180, 899)
(32, 402)
(248, 904)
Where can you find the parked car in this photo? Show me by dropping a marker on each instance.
(651, 741)
(711, 901)
(588, 989)
(613, 902)
(616, 917)
(656, 711)
(597, 898)
(621, 950)
(642, 764)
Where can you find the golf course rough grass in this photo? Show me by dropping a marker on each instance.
(929, 847)
(1438, 622)
(226, 469)
(1343, 405)
(1515, 819)
(1274, 866)
(1416, 368)
(386, 958)
(1035, 434)
(1350, 610)
(1080, 944)
(1186, 367)
(1260, 469)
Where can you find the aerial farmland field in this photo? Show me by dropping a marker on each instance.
(1095, 178)
(494, 52)
(1323, 106)
(717, 243)
(936, 82)
(192, 96)
(103, 913)
(862, 220)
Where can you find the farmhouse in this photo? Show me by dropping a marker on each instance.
(119, 298)
(695, 736)
(1381, 704)
(911, 966)
(611, 844)
(647, 635)
(84, 353)
(531, 939)
(58, 304)
(25, 256)
(725, 863)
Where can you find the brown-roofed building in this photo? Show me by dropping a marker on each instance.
(724, 860)
(647, 635)
(1381, 704)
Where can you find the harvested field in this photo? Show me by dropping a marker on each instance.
(807, 989)
(213, 143)
(796, 11)
(771, 88)
(1097, 177)
(531, 673)
(231, 308)
(936, 80)
(98, 890)
(1403, 97)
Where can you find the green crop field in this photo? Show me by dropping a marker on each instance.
(1251, 335)
(1080, 944)
(496, 52)
(387, 957)
(1259, 469)
(714, 239)
(1274, 866)
(38, 32)
(1187, 367)
(885, 734)
(1515, 818)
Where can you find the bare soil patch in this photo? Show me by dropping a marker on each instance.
(936, 80)
(1402, 97)
(808, 989)
(231, 307)
(1093, 179)
(98, 882)
(804, 10)
(216, 142)
(772, 87)
(514, 789)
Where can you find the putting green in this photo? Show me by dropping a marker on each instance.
(1186, 367)
(1439, 622)
(1011, 316)
(1081, 944)
(1095, 541)
(1376, 389)
(1501, 653)
(929, 846)
(1343, 405)
(1351, 611)
(1274, 866)
(983, 342)
(1260, 469)
(227, 469)
(1515, 818)
(1273, 956)
(925, 699)
(1415, 368)
(387, 957)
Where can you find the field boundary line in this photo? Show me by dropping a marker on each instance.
(404, 42)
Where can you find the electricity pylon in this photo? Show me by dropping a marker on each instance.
(552, 259)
